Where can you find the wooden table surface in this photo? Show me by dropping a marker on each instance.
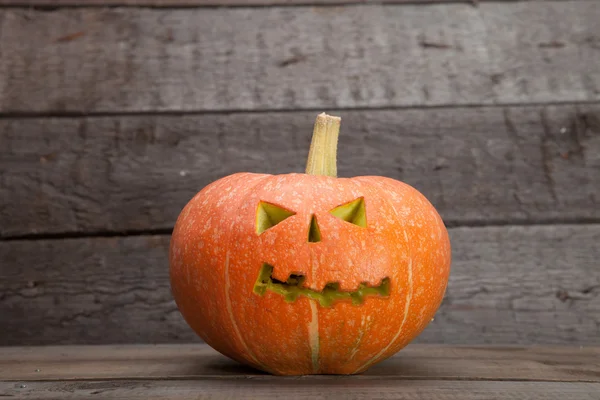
(197, 371)
(114, 113)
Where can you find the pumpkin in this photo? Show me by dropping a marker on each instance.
(308, 273)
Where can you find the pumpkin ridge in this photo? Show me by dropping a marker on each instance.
(409, 295)
(227, 285)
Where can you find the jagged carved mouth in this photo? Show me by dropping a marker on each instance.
(292, 289)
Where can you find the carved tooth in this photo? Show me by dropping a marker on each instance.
(357, 298)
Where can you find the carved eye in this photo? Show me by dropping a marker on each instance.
(353, 212)
(268, 215)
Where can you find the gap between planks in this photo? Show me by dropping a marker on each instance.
(167, 4)
(332, 110)
(168, 231)
(267, 377)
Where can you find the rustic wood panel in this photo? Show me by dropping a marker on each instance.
(198, 361)
(518, 285)
(306, 388)
(124, 59)
(481, 165)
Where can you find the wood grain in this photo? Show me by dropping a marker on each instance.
(306, 388)
(478, 166)
(82, 60)
(513, 284)
(199, 361)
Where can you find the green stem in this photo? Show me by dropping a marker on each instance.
(322, 156)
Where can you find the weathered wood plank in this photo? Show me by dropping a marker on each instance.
(566, 364)
(522, 285)
(305, 388)
(124, 59)
(480, 165)
(518, 285)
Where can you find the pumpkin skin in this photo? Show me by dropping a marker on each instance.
(216, 255)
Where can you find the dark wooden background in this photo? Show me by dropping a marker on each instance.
(114, 113)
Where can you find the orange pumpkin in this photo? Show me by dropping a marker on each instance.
(308, 273)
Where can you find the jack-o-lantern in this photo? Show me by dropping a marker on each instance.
(309, 273)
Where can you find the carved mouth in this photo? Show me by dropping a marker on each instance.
(292, 289)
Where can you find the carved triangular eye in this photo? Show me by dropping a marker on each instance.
(268, 215)
(353, 212)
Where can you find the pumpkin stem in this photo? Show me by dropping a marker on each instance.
(322, 156)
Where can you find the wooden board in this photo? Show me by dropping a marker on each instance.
(310, 388)
(512, 284)
(478, 166)
(199, 361)
(106, 60)
(188, 371)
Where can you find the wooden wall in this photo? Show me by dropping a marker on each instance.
(112, 118)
